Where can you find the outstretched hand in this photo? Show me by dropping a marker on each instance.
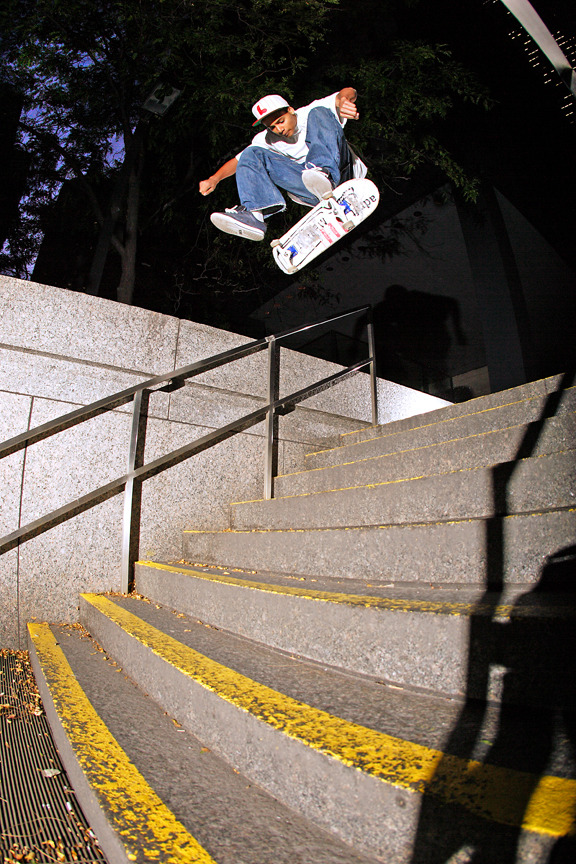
(207, 186)
(226, 170)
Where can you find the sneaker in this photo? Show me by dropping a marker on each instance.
(240, 222)
(317, 182)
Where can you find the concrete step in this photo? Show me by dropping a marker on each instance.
(357, 757)
(485, 552)
(484, 449)
(153, 790)
(415, 637)
(440, 427)
(544, 387)
(527, 486)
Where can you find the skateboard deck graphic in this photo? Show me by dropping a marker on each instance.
(346, 207)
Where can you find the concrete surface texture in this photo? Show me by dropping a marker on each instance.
(383, 656)
(60, 350)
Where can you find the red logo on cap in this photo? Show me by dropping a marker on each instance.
(260, 110)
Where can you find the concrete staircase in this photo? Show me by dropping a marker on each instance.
(377, 665)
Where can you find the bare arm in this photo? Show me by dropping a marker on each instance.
(226, 170)
(346, 104)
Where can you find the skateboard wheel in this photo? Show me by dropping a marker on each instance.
(274, 243)
(327, 195)
(348, 226)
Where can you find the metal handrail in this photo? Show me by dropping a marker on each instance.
(131, 482)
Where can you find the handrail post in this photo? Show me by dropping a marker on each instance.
(373, 379)
(271, 453)
(133, 491)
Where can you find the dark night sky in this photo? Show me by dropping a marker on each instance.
(526, 146)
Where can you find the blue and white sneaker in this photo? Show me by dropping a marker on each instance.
(240, 222)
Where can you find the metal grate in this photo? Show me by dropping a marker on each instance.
(40, 819)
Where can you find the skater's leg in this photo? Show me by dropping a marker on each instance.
(327, 146)
(260, 176)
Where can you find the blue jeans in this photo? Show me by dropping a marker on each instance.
(262, 173)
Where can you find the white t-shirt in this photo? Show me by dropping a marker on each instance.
(295, 147)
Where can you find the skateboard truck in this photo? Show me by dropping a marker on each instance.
(330, 199)
(291, 249)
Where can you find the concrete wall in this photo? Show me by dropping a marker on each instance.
(61, 349)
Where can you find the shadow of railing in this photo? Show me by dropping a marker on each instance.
(521, 675)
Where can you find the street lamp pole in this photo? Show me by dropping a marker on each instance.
(536, 28)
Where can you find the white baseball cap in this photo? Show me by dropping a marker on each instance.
(267, 105)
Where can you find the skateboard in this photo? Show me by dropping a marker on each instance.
(336, 215)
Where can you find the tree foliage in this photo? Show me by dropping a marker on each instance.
(407, 93)
(85, 68)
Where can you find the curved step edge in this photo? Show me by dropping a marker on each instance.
(129, 819)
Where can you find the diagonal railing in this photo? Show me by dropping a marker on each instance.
(131, 482)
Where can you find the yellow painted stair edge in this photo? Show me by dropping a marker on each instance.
(502, 611)
(142, 822)
(545, 805)
(434, 422)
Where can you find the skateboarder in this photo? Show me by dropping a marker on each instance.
(302, 151)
